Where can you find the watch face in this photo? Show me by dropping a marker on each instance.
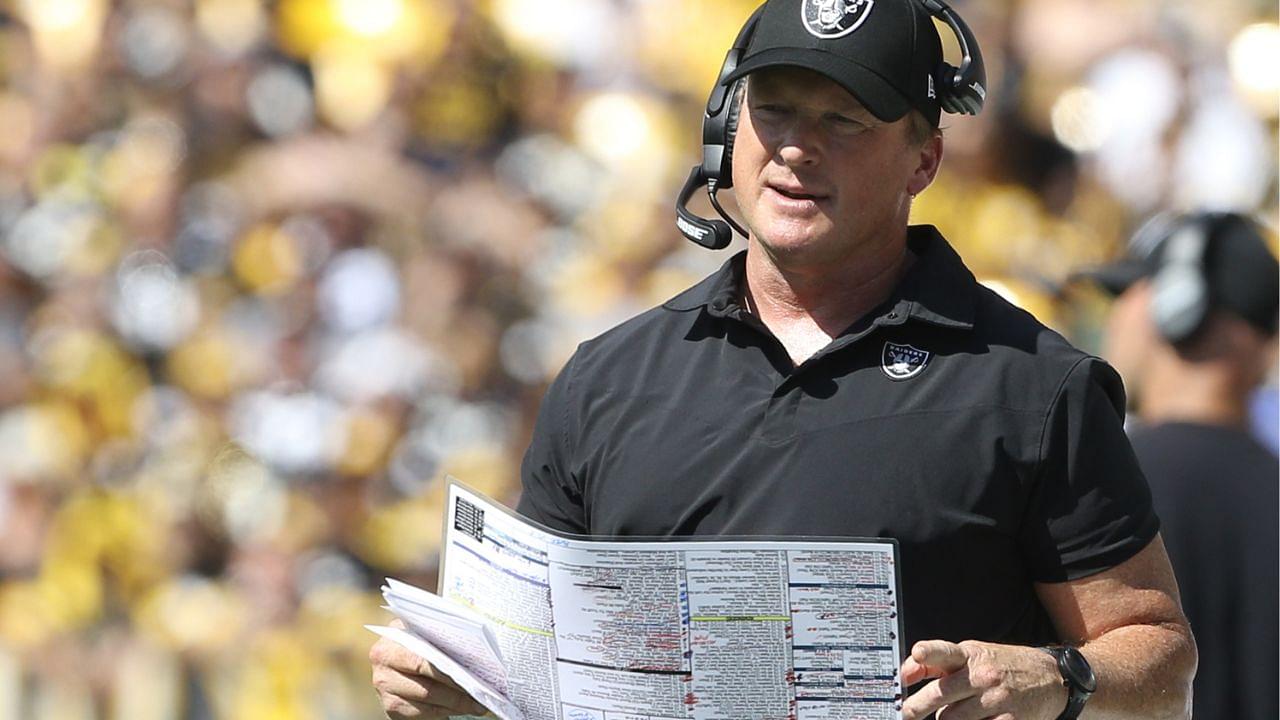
(1080, 671)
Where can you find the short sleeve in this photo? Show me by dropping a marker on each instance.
(1090, 507)
(550, 494)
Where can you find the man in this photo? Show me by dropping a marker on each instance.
(846, 375)
(1192, 349)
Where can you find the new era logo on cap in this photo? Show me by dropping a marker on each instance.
(834, 18)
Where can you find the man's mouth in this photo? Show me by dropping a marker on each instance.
(795, 193)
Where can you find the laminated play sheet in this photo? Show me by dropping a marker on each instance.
(545, 626)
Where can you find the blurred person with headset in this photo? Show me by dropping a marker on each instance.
(846, 375)
(1193, 332)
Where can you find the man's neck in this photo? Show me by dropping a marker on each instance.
(805, 305)
(1205, 395)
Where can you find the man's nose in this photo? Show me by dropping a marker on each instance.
(799, 143)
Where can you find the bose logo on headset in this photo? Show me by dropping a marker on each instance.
(957, 90)
(690, 230)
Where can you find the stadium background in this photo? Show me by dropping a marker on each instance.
(270, 270)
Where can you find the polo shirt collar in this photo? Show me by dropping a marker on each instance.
(718, 292)
(938, 289)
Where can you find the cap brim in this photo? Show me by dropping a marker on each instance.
(877, 95)
(1116, 277)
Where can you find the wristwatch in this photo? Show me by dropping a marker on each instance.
(1077, 677)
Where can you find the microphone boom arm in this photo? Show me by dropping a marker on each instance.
(712, 234)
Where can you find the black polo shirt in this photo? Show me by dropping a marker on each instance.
(991, 449)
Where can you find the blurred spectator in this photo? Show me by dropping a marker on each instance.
(270, 270)
(1193, 333)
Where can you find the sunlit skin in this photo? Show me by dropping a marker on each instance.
(820, 180)
(825, 188)
(1130, 338)
(1209, 380)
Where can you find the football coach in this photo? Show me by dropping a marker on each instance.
(845, 375)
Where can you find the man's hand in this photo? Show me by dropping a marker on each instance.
(977, 680)
(410, 688)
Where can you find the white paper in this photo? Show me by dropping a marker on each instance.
(477, 688)
(467, 642)
(591, 629)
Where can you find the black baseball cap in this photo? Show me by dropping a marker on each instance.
(884, 52)
(1242, 274)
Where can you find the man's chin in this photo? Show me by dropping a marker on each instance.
(793, 238)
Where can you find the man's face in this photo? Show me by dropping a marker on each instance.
(1131, 337)
(816, 175)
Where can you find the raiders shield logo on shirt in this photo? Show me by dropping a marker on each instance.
(834, 18)
(900, 362)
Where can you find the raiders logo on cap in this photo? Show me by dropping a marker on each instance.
(900, 362)
(834, 18)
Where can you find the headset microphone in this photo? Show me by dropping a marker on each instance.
(719, 124)
(711, 234)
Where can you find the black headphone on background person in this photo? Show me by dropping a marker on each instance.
(1179, 288)
(961, 90)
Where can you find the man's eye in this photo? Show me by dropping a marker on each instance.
(845, 121)
(768, 109)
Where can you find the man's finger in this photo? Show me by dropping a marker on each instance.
(400, 709)
(940, 693)
(946, 656)
(390, 654)
(977, 707)
(423, 693)
(427, 670)
(932, 659)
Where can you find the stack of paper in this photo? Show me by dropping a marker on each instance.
(453, 639)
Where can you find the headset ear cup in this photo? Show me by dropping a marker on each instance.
(1179, 290)
(961, 90)
(1178, 303)
(719, 125)
(732, 113)
(945, 77)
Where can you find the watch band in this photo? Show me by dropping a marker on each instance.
(1077, 677)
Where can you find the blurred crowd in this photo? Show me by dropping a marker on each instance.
(269, 271)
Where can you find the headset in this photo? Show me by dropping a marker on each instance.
(961, 90)
(1180, 299)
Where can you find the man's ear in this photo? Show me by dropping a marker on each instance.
(929, 160)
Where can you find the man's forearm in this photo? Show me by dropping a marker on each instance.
(1143, 671)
